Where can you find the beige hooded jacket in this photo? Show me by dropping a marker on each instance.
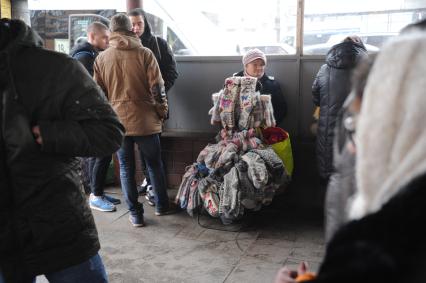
(128, 73)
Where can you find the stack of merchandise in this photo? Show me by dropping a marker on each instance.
(240, 172)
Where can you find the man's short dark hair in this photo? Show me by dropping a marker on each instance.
(96, 27)
(120, 22)
(136, 12)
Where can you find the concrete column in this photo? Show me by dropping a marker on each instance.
(20, 11)
(132, 4)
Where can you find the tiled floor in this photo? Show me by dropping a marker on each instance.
(176, 248)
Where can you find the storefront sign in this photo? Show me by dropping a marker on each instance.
(62, 45)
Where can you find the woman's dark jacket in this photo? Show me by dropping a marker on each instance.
(268, 85)
(162, 53)
(46, 224)
(386, 246)
(330, 89)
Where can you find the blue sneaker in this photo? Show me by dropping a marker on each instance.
(136, 220)
(112, 200)
(100, 203)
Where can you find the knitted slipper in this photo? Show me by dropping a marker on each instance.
(248, 87)
(227, 102)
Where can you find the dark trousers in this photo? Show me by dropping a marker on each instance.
(151, 149)
(98, 167)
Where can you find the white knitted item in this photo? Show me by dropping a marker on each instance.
(227, 102)
(214, 111)
(257, 112)
(229, 198)
(257, 172)
(246, 101)
(268, 111)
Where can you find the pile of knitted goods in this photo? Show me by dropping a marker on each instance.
(240, 172)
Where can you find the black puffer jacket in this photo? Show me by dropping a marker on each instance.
(86, 54)
(329, 90)
(162, 53)
(46, 224)
(268, 85)
(385, 246)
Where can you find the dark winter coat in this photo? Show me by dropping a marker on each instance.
(386, 246)
(162, 53)
(268, 85)
(330, 89)
(86, 54)
(46, 224)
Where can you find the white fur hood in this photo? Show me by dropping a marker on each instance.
(391, 133)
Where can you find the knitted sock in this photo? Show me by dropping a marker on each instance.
(248, 85)
(193, 197)
(228, 156)
(211, 204)
(229, 202)
(227, 102)
(248, 199)
(214, 111)
(207, 155)
(273, 163)
(207, 184)
(203, 153)
(184, 188)
(257, 172)
(213, 155)
(248, 88)
(268, 111)
(257, 112)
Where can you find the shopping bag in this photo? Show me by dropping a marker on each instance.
(283, 150)
(280, 142)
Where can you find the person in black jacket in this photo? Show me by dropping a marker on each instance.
(95, 169)
(254, 62)
(330, 89)
(50, 111)
(157, 45)
(87, 51)
(167, 64)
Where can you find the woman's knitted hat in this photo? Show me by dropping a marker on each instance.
(252, 55)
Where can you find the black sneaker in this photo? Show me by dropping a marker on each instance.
(136, 220)
(170, 210)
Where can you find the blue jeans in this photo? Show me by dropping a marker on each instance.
(150, 147)
(92, 271)
(98, 171)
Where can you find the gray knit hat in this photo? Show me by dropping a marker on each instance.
(252, 55)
